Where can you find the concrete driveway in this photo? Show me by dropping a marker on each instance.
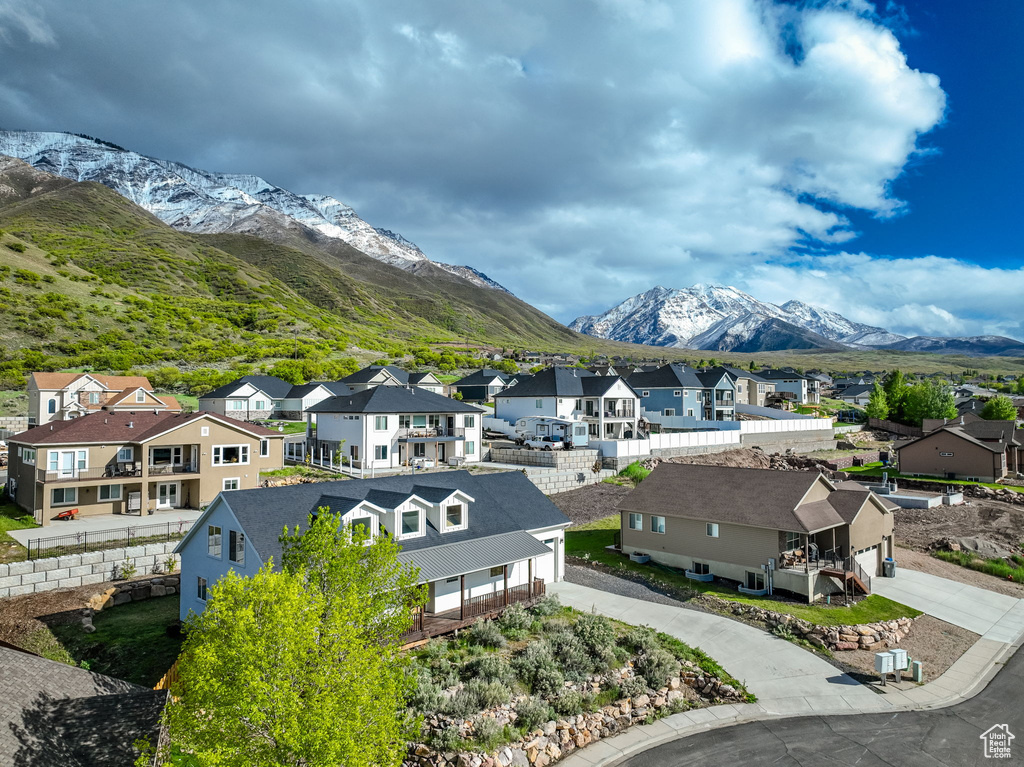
(786, 679)
(994, 616)
(105, 523)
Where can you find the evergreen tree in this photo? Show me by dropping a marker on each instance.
(896, 391)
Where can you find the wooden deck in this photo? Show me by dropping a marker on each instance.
(427, 624)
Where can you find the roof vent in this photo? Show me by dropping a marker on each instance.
(961, 420)
(131, 424)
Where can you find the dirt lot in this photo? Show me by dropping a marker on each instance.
(935, 643)
(591, 502)
(997, 521)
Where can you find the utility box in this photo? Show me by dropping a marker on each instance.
(917, 671)
(884, 663)
(900, 661)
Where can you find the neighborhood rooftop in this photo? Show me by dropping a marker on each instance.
(392, 399)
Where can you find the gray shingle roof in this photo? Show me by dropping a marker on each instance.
(553, 382)
(503, 503)
(735, 373)
(775, 375)
(366, 374)
(858, 390)
(392, 399)
(454, 559)
(271, 385)
(674, 376)
(482, 377)
(55, 715)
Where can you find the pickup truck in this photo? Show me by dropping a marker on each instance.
(544, 443)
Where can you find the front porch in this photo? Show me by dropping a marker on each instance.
(431, 624)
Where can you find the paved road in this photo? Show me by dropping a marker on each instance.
(786, 678)
(948, 736)
(994, 616)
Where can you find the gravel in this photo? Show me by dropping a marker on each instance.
(613, 584)
(935, 643)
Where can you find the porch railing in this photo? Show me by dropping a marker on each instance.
(622, 412)
(173, 468)
(829, 560)
(430, 432)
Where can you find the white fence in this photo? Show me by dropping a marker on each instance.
(774, 427)
(499, 425)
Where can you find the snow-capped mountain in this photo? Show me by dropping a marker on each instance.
(726, 319)
(201, 201)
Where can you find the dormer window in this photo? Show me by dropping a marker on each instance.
(454, 517)
(140, 396)
(410, 523)
(365, 522)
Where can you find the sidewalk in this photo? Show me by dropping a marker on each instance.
(782, 691)
(104, 523)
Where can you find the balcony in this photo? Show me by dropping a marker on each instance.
(624, 412)
(168, 469)
(114, 471)
(430, 434)
(724, 400)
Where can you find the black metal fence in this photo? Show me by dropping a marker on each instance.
(98, 540)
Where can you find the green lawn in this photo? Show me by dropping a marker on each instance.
(294, 427)
(187, 401)
(876, 469)
(130, 641)
(590, 541)
(13, 518)
(605, 523)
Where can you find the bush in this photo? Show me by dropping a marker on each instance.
(568, 702)
(532, 713)
(572, 654)
(448, 739)
(640, 639)
(488, 694)
(426, 696)
(487, 732)
(489, 668)
(546, 606)
(17, 247)
(461, 704)
(656, 667)
(515, 621)
(635, 472)
(538, 669)
(548, 680)
(444, 672)
(486, 634)
(435, 648)
(633, 687)
(597, 634)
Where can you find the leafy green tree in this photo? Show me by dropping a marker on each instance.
(896, 391)
(878, 406)
(301, 666)
(999, 409)
(1018, 385)
(928, 400)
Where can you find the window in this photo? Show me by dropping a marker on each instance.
(51, 406)
(469, 421)
(410, 522)
(237, 404)
(165, 456)
(404, 421)
(230, 484)
(264, 448)
(380, 423)
(657, 524)
(236, 546)
(645, 394)
(126, 454)
(364, 522)
(497, 571)
(94, 398)
(578, 405)
(64, 495)
(213, 541)
(201, 588)
(110, 492)
(755, 581)
(677, 394)
(538, 403)
(140, 395)
(470, 448)
(946, 455)
(67, 462)
(453, 516)
(670, 411)
(636, 521)
(700, 568)
(419, 450)
(204, 431)
(712, 529)
(792, 541)
(28, 455)
(380, 452)
(260, 404)
(689, 412)
(225, 454)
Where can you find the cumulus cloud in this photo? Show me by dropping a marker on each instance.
(577, 153)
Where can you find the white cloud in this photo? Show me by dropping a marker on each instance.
(26, 20)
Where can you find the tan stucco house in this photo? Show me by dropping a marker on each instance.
(136, 462)
(762, 530)
(967, 449)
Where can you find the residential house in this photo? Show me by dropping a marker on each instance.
(856, 395)
(63, 396)
(608, 404)
(807, 390)
(973, 450)
(391, 426)
(392, 375)
(58, 715)
(258, 398)
(751, 389)
(482, 385)
(136, 462)
(842, 384)
(680, 393)
(301, 397)
(761, 530)
(479, 541)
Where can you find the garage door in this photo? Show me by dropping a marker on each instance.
(868, 560)
(544, 567)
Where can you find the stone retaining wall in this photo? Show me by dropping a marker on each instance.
(560, 482)
(15, 423)
(568, 460)
(797, 441)
(846, 461)
(72, 570)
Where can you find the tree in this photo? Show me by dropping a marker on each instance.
(896, 391)
(878, 406)
(1018, 386)
(301, 666)
(928, 400)
(999, 409)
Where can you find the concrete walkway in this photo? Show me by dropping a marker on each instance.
(105, 523)
(785, 678)
(996, 617)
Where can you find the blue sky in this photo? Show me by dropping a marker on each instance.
(858, 156)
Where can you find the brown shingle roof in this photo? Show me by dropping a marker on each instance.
(753, 497)
(113, 383)
(114, 427)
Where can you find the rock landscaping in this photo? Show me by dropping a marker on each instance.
(536, 685)
(873, 637)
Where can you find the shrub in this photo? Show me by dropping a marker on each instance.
(538, 669)
(597, 634)
(532, 713)
(547, 605)
(486, 634)
(17, 247)
(426, 696)
(640, 639)
(489, 668)
(633, 687)
(656, 666)
(568, 702)
(515, 621)
(635, 472)
(448, 739)
(548, 680)
(461, 704)
(572, 654)
(487, 732)
(444, 672)
(488, 694)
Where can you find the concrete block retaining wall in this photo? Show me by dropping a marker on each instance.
(559, 482)
(72, 570)
(846, 461)
(14, 423)
(567, 460)
(798, 442)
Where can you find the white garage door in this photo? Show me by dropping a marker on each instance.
(868, 560)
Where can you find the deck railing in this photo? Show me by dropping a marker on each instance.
(98, 540)
(426, 624)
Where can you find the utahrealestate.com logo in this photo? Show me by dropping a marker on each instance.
(997, 741)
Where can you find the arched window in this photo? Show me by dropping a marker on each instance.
(51, 406)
